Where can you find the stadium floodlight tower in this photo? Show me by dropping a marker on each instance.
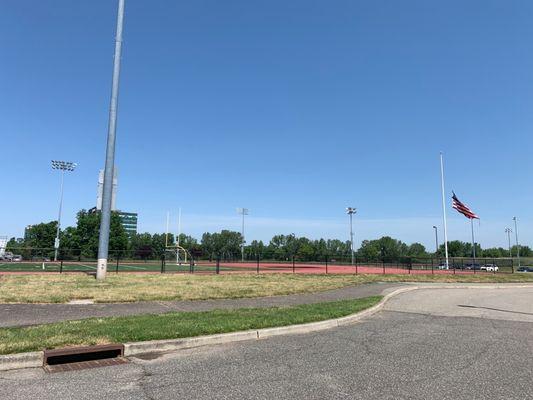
(509, 231)
(517, 243)
(105, 221)
(351, 211)
(61, 166)
(243, 212)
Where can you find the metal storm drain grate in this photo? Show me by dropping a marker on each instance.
(77, 358)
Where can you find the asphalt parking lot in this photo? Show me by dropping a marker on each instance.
(426, 344)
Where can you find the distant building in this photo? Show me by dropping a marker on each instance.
(100, 190)
(128, 219)
(3, 244)
(27, 231)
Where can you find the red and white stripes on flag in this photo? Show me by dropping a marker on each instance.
(463, 208)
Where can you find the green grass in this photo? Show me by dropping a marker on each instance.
(94, 331)
(90, 266)
(56, 288)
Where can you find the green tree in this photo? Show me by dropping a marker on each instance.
(41, 236)
(383, 248)
(256, 248)
(416, 250)
(141, 246)
(87, 233)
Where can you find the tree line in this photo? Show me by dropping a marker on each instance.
(81, 241)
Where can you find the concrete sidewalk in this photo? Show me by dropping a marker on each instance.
(33, 314)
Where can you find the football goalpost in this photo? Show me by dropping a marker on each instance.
(177, 251)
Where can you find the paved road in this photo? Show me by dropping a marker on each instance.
(31, 314)
(424, 345)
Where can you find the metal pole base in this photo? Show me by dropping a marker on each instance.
(101, 268)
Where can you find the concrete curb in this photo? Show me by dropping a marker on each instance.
(35, 359)
(21, 360)
(131, 349)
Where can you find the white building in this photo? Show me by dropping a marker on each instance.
(100, 191)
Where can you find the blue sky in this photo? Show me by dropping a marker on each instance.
(294, 109)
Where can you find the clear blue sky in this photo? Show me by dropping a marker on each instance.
(294, 109)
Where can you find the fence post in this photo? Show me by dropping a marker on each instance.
(218, 266)
(432, 271)
(326, 264)
(293, 266)
(163, 264)
(512, 266)
(61, 267)
(383, 265)
(355, 265)
(258, 263)
(116, 269)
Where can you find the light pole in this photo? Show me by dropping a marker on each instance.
(62, 166)
(243, 212)
(105, 221)
(436, 240)
(509, 231)
(517, 244)
(351, 211)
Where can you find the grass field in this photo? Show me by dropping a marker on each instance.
(171, 325)
(88, 266)
(56, 288)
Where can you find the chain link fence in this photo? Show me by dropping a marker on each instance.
(29, 260)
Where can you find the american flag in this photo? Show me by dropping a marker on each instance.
(463, 208)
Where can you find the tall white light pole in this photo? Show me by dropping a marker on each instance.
(243, 212)
(62, 166)
(351, 211)
(444, 209)
(509, 231)
(105, 222)
(516, 236)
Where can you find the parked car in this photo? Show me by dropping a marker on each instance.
(490, 268)
(16, 258)
(525, 269)
(473, 266)
(443, 266)
(8, 256)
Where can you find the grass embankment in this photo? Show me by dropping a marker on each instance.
(171, 325)
(130, 288)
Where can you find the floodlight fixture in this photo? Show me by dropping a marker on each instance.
(64, 165)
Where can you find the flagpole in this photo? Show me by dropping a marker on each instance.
(444, 209)
(473, 245)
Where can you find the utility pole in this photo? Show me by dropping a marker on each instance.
(105, 223)
(509, 231)
(243, 212)
(351, 211)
